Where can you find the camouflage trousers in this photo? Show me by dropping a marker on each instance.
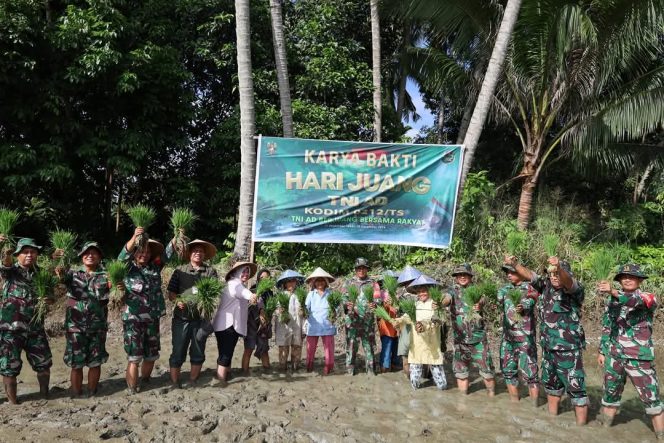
(643, 376)
(476, 353)
(515, 356)
(141, 340)
(353, 339)
(35, 345)
(562, 371)
(85, 349)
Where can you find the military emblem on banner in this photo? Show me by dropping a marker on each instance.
(271, 148)
(448, 158)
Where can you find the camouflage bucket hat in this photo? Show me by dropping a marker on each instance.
(630, 269)
(464, 268)
(360, 261)
(26, 243)
(88, 245)
(508, 268)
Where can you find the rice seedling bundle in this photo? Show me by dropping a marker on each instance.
(472, 296)
(8, 221)
(353, 294)
(182, 221)
(301, 294)
(43, 283)
(516, 242)
(602, 262)
(66, 241)
(270, 308)
(141, 217)
(515, 296)
(488, 290)
(334, 300)
(264, 285)
(391, 284)
(208, 290)
(382, 313)
(188, 300)
(117, 271)
(283, 298)
(368, 292)
(407, 307)
(436, 295)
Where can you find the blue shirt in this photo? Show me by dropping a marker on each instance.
(317, 307)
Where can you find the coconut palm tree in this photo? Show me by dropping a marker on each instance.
(282, 66)
(243, 239)
(375, 57)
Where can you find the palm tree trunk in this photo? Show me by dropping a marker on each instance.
(440, 129)
(491, 77)
(282, 66)
(525, 203)
(243, 238)
(375, 56)
(465, 120)
(641, 183)
(401, 98)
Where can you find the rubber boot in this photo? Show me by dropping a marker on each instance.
(43, 380)
(10, 390)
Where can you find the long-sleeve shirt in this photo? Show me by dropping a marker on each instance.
(627, 325)
(87, 300)
(515, 330)
(317, 306)
(233, 308)
(425, 346)
(560, 315)
(466, 330)
(289, 333)
(18, 299)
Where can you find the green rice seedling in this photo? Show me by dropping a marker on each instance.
(66, 241)
(407, 307)
(189, 301)
(182, 220)
(382, 313)
(550, 242)
(516, 242)
(472, 296)
(283, 298)
(8, 221)
(264, 285)
(515, 296)
(141, 217)
(488, 290)
(602, 262)
(207, 296)
(270, 308)
(117, 271)
(368, 292)
(353, 294)
(301, 294)
(43, 283)
(391, 284)
(334, 300)
(436, 294)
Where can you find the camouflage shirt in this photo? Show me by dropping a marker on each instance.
(560, 316)
(466, 331)
(143, 298)
(364, 317)
(627, 326)
(87, 301)
(18, 300)
(515, 329)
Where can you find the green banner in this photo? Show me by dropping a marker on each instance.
(318, 191)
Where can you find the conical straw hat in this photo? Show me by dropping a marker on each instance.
(320, 273)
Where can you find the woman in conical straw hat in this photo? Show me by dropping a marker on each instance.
(230, 322)
(319, 323)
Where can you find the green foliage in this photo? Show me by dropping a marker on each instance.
(284, 300)
(8, 220)
(516, 243)
(626, 224)
(207, 296)
(117, 271)
(353, 294)
(271, 307)
(334, 300)
(301, 294)
(391, 284)
(489, 290)
(66, 241)
(550, 242)
(602, 263)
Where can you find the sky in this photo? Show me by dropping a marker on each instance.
(426, 117)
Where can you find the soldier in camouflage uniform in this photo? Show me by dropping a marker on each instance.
(517, 348)
(360, 321)
(561, 337)
(626, 348)
(18, 330)
(144, 306)
(470, 339)
(86, 318)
